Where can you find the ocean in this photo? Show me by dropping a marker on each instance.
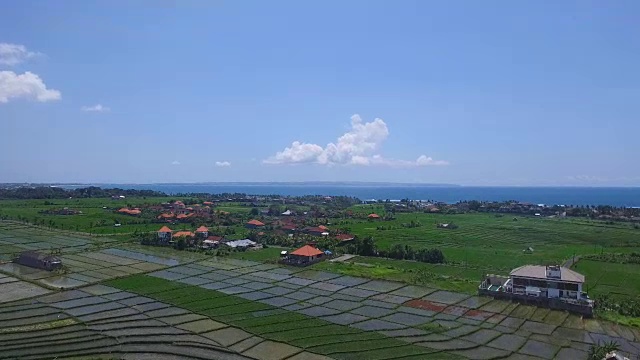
(615, 196)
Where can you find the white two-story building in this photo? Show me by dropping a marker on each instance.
(546, 281)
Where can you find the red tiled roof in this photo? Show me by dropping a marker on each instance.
(214, 238)
(344, 237)
(207, 203)
(164, 229)
(202, 229)
(166, 216)
(307, 250)
(183, 233)
(256, 223)
(288, 227)
(323, 227)
(130, 211)
(373, 216)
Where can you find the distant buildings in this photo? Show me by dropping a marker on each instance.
(165, 233)
(246, 243)
(254, 224)
(179, 234)
(344, 237)
(202, 231)
(373, 216)
(127, 211)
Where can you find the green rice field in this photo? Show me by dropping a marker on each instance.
(610, 278)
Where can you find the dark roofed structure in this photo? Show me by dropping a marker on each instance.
(39, 260)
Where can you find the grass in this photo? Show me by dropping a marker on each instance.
(40, 326)
(270, 254)
(446, 277)
(310, 333)
(95, 218)
(610, 278)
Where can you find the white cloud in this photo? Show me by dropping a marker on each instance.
(95, 108)
(424, 160)
(223, 164)
(27, 85)
(14, 54)
(175, 162)
(352, 148)
(297, 153)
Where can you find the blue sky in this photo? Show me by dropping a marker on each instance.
(466, 92)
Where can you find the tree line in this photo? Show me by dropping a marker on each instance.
(47, 192)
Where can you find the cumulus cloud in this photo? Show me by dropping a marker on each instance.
(14, 54)
(355, 147)
(175, 162)
(95, 108)
(27, 85)
(223, 164)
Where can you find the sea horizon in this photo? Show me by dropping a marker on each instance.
(447, 193)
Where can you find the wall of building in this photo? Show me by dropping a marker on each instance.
(556, 304)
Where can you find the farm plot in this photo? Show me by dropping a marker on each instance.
(16, 238)
(610, 278)
(235, 292)
(90, 267)
(12, 289)
(95, 321)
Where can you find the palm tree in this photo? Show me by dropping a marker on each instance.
(598, 352)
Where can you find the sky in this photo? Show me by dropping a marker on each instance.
(528, 93)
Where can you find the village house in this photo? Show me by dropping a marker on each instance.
(202, 231)
(254, 224)
(344, 237)
(303, 256)
(373, 217)
(183, 233)
(164, 234)
(166, 216)
(245, 243)
(316, 231)
(128, 211)
(184, 217)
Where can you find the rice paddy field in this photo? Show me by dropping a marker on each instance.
(496, 244)
(227, 308)
(610, 278)
(117, 300)
(82, 264)
(127, 301)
